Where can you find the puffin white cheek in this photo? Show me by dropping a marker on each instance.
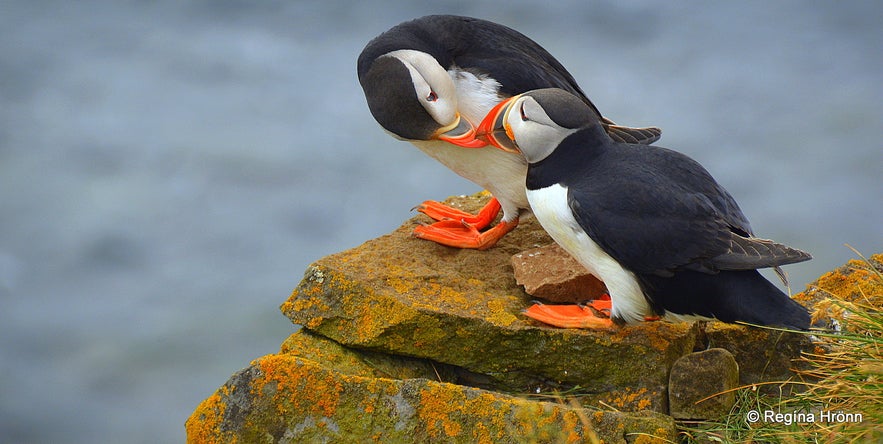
(535, 140)
(442, 109)
(446, 111)
(519, 128)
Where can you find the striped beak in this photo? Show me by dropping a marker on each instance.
(461, 133)
(495, 127)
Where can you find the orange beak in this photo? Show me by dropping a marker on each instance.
(495, 127)
(461, 133)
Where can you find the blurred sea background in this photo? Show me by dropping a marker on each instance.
(168, 169)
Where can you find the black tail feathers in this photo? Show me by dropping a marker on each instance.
(728, 296)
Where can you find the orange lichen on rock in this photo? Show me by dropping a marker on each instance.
(656, 438)
(857, 282)
(631, 399)
(205, 424)
(831, 296)
(294, 387)
(499, 313)
(654, 334)
(438, 404)
(447, 411)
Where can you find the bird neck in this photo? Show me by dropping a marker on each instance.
(576, 153)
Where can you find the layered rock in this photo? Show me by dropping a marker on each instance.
(315, 390)
(406, 340)
(409, 297)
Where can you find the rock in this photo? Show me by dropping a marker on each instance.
(855, 282)
(405, 296)
(700, 385)
(763, 355)
(317, 391)
(348, 361)
(407, 340)
(550, 273)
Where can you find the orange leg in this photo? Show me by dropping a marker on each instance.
(574, 316)
(461, 234)
(440, 211)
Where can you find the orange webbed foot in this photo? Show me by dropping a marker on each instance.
(601, 304)
(461, 234)
(573, 316)
(440, 212)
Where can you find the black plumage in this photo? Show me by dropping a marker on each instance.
(478, 46)
(663, 217)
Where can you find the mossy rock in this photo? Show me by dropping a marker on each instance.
(288, 397)
(763, 355)
(701, 385)
(856, 282)
(404, 296)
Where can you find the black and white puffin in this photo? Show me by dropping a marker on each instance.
(431, 80)
(651, 223)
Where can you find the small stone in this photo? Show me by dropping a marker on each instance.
(700, 385)
(762, 354)
(552, 274)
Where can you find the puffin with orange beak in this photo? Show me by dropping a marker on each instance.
(430, 81)
(665, 238)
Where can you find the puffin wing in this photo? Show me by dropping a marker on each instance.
(489, 49)
(651, 233)
(660, 211)
(520, 64)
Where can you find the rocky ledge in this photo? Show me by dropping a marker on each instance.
(404, 340)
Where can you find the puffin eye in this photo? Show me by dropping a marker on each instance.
(523, 115)
(432, 97)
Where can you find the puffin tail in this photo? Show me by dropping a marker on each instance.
(729, 296)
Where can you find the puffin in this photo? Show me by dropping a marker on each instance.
(667, 239)
(432, 80)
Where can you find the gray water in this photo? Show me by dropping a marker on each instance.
(168, 169)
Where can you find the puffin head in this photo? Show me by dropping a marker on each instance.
(413, 98)
(535, 123)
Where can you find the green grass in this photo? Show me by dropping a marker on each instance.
(842, 381)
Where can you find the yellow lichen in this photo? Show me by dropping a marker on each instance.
(204, 425)
(498, 313)
(570, 422)
(855, 282)
(437, 404)
(657, 439)
(834, 294)
(294, 386)
(445, 409)
(629, 399)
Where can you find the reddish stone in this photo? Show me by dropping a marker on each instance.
(550, 273)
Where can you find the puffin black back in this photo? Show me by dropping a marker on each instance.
(650, 222)
(480, 46)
